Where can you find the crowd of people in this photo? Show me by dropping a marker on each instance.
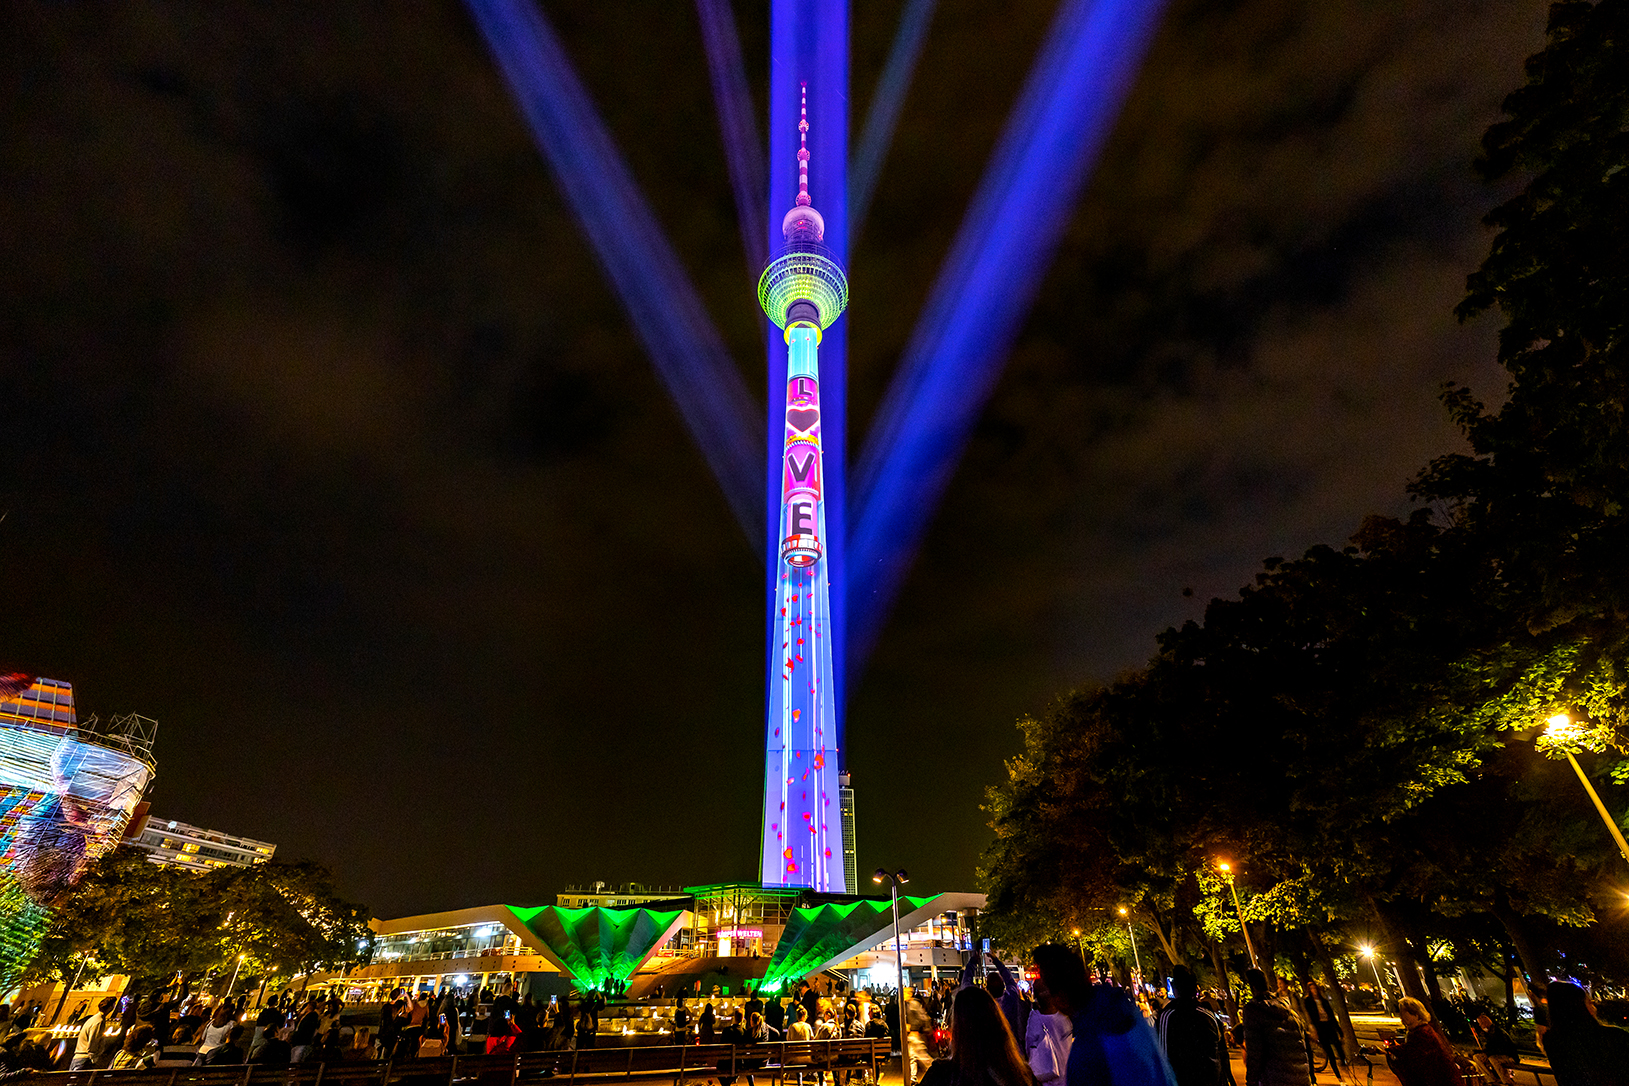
(172, 1026)
(1069, 1029)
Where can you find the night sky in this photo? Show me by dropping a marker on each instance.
(326, 445)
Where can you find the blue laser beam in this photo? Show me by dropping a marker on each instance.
(743, 150)
(886, 103)
(808, 43)
(1006, 242)
(667, 314)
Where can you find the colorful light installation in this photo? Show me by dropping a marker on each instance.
(803, 290)
(598, 944)
(64, 802)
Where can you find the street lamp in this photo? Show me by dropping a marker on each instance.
(1368, 952)
(895, 881)
(1134, 955)
(230, 985)
(1227, 873)
(1559, 727)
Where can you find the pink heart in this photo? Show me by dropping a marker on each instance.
(802, 418)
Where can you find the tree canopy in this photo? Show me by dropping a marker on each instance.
(149, 921)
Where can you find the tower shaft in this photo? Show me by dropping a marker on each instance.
(803, 840)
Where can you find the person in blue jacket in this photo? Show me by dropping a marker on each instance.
(1114, 1044)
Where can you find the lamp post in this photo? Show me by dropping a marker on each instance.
(1559, 726)
(1368, 952)
(233, 982)
(895, 880)
(1134, 955)
(1227, 873)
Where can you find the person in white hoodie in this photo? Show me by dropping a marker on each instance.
(1047, 1036)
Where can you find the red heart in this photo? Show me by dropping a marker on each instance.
(802, 418)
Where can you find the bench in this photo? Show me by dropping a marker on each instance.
(584, 1065)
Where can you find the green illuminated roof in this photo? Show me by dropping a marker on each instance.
(600, 944)
(820, 933)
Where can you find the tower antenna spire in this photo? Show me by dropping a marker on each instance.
(803, 224)
(803, 147)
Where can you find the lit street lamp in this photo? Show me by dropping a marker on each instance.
(1368, 952)
(894, 882)
(1227, 873)
(1558, 727)
(1134, 955)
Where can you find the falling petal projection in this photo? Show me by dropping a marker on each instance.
(601, 944)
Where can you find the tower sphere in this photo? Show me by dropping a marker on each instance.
(805, 273)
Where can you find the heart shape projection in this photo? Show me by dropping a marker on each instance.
(802, 418)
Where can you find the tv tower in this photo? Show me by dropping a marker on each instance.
(803, 290)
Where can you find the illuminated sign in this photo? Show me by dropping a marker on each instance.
(741, 933)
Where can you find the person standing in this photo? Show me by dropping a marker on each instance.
(1583, 1050)
(1326, 1026)
(983, 1051)
(500, 1027)
(917, 1023)
(588, 1027)
(1192, 1037)
(1275, 1048)
(800, 1030)
(450, 1022)
(1047, 1038)
(1003, 989)
(562, 1028)
(391, 1017)
(92, 1037)
(1424, 1058)
(1112, 1045)
(228, 1051)
(216, 1029)
(305, 1031)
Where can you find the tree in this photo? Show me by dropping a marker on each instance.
(1546, 488)
(153, 922)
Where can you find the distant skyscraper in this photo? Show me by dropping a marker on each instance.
(803, 290)
(851, 856)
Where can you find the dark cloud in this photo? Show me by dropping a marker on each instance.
(326, 445)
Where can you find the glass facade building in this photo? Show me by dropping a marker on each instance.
(179, 844)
